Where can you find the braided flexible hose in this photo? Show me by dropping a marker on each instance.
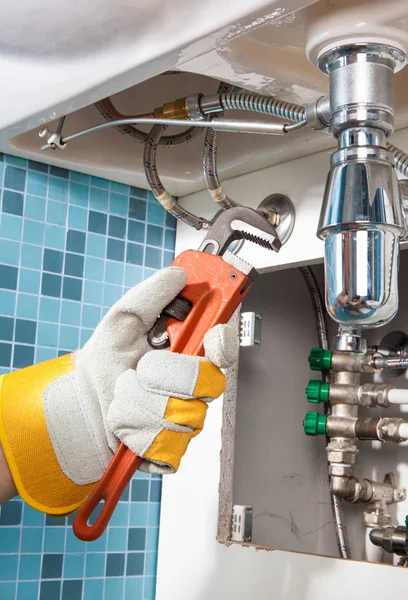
(109, 113)
(321, 326)
(263, 104)
(240, 101)
(158, 189)
(393, 362)
(210, 170)
(210, 160)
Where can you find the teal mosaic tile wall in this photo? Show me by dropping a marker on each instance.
(70, 246)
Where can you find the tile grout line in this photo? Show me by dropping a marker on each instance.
(64, 258)
(17, 282)
(145, 549)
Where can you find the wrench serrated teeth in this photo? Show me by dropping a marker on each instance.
(257, 239)
(258, 234)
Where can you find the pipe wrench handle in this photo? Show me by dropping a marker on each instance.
(214, 290)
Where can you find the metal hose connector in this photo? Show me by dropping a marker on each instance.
(210, 160)
(321, 326)
(263, 104)
(109, 113)
(390, 362)
(158, 189)
(400, 159)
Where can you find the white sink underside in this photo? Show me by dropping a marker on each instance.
(63, 58)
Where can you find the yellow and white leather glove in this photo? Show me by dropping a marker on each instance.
(62, 420)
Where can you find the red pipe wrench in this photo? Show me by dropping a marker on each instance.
(217, 282)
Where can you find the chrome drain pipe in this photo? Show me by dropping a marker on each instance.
(361, 219)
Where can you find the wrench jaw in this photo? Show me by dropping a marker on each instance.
(237, 223)
(241, 265)
(253, 234)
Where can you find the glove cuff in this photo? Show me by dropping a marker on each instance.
(26, 443)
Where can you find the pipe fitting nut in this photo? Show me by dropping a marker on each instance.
(340, 470)
(377, 518)
(388, 430)
(347, 457)
(342, 451)
(192, 106)
(210, 104)
(391, 539)
(371, 394)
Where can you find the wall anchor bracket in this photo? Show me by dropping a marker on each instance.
(280, 212)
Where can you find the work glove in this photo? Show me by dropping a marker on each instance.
(62, 420)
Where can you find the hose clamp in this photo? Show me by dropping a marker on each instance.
(53, 139)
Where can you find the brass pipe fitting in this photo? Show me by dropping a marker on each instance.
(172, 110)
(183, 108)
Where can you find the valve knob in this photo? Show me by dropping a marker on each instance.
(320, 359)
(314, 423)
(317, 391)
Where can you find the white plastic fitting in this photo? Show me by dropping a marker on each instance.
(398, 396)
(403, 431)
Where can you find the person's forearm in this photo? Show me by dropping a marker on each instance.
(7, 488)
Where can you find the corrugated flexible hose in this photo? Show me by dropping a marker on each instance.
(400, 159)
(263, 104)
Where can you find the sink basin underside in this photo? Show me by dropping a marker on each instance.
(263, 51)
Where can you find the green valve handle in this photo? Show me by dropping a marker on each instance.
(317, 391)
(406, 522)
(320, 359)
(314, 423)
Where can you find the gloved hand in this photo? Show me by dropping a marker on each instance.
(62, 420)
